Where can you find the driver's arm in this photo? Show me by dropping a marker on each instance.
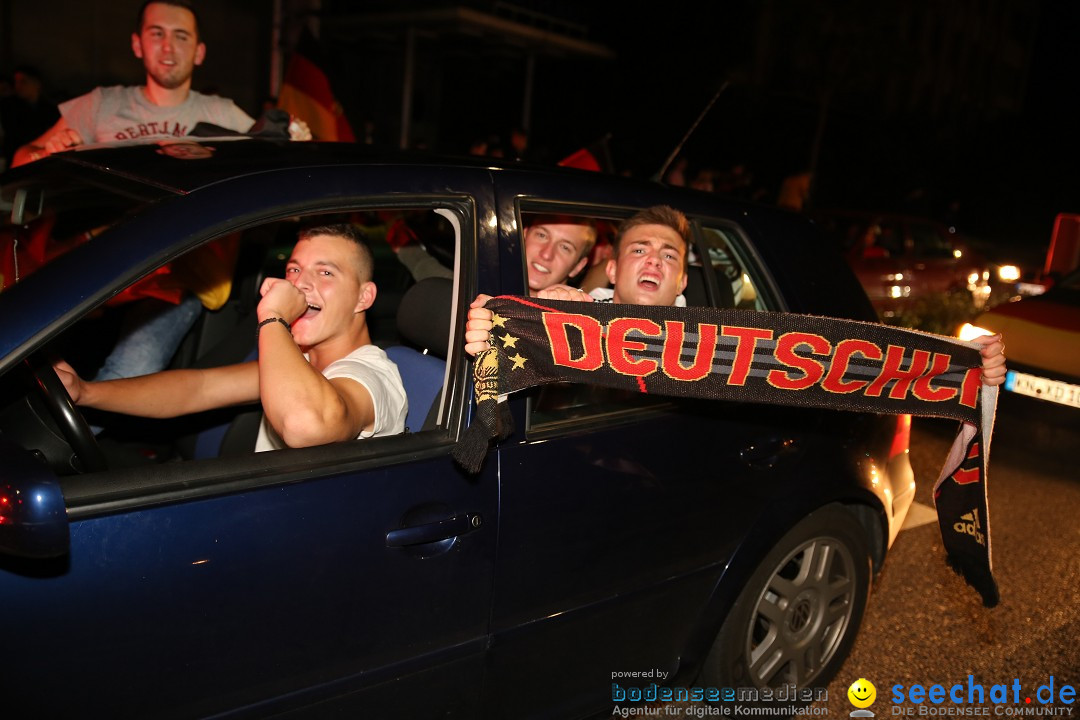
(165, 394)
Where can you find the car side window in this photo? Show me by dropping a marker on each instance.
(720, 274)
(568, 246)
(211, 294)
(54, 212)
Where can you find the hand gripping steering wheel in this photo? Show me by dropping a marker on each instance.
(71, 422)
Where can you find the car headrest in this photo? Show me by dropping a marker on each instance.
(423, 317)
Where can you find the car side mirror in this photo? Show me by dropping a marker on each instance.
(33, 518)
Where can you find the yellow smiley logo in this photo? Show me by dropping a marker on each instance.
(862, 693)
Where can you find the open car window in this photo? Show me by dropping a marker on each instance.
(50, 213)
(721, 273)
(416, 251)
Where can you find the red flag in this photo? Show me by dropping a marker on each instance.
(582, 160)
(595, 156)
(306, 93)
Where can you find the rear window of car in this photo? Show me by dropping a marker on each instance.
(736, 276)
(48, 214)
(721, 273)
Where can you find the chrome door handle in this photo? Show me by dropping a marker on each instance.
(434, 531)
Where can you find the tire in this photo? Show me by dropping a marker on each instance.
(791, 625)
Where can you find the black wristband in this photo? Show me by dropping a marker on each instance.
(267, 321)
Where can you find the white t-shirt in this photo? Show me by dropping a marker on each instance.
(369, 366)
(108, 114)
(603, 294)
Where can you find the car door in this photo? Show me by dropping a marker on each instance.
(350, 578)
(618, 515)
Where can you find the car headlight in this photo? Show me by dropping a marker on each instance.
(970, 332)
(1009, 273)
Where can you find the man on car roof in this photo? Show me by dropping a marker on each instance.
(166, 39)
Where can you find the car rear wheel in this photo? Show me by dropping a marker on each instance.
(795, 621)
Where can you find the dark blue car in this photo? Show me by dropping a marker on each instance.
(153, 568)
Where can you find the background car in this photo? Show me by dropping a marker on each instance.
(899, 258)
(1042, 336)
(162, 569)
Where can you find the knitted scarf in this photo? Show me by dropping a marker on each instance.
(751, 356)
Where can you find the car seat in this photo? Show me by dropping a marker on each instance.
(423, 320)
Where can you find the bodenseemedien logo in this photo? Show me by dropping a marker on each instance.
(862, 694)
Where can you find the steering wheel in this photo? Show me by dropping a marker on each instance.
(72, 423)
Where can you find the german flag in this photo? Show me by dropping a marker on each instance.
(306, 93)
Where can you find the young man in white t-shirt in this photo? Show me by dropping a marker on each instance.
(167, 41)
(318, 376)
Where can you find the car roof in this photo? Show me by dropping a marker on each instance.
(234, 157)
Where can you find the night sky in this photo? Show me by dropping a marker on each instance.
(1010, 174)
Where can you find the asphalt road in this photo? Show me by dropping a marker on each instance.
(924, 625)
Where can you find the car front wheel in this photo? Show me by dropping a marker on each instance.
(795, 621)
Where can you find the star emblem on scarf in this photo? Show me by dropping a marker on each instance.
(509, 341)
(519, 361)
(498, 320)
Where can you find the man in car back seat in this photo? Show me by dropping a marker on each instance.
(556, 249)
(318, 376)
(648, 267)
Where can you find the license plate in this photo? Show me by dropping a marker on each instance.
(1042, 388)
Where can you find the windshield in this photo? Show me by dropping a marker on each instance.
(48, 213)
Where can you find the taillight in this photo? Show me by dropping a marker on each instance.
(902, 438)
